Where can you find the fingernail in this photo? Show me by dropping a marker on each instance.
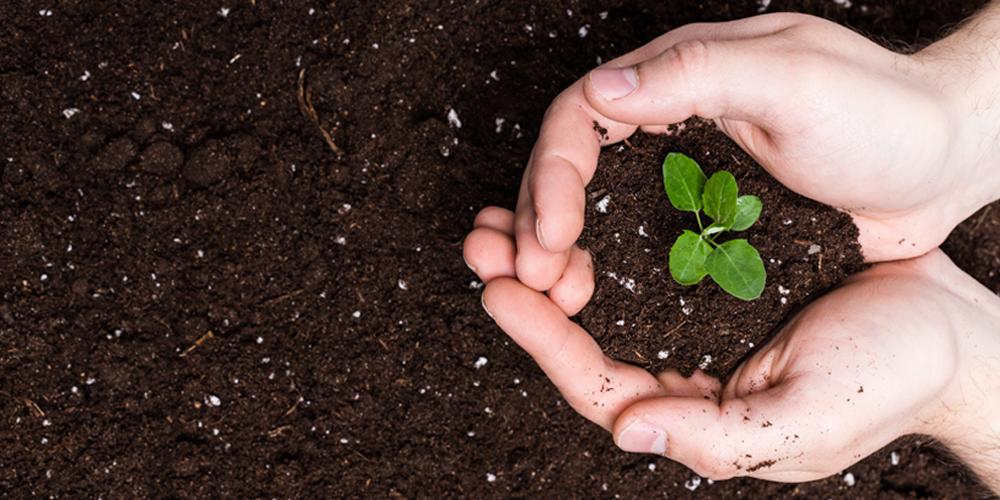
(614, 83)
(488, 313)
(469, 265)
(641, 437)
(540, 235)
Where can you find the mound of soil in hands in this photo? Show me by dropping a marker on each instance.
(200, 297)
(641, 315)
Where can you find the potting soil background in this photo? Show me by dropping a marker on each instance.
(230, 236)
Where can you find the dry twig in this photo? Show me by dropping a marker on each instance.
(197, 343)
(305, 105)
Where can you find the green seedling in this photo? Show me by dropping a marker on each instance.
(734, 265)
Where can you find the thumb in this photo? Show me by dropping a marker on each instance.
(740, 437)
(706, 78)
(803, 429)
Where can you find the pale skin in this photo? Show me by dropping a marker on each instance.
(908, 145)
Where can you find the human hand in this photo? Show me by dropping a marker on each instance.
(907, 347)
(905, 143)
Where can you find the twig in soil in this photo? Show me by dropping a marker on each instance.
(33, 408)
(296, 405)
(279, 431)
(307, 109)
(283, 297)
(197, 343)
(674, 329)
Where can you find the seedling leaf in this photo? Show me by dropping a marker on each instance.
(687, 258)
(734, 265)
(748, 209)
(684, 182)
(737, 268)
(719, 198)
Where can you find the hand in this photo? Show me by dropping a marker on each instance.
(905, 144)
(902, 348)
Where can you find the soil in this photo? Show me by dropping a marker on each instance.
(231, 236)
(641, 315)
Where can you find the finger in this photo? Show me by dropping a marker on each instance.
(596, 386)
(574, 289)
(743, 436)
(489, 251)
(537, 267)
(497, 218)
(490, 254)
(753, 27)
(732, 70)
(550, 207)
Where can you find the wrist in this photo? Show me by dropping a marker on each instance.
(966, 417)
(964, 68)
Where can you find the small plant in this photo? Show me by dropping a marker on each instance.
(734, 265)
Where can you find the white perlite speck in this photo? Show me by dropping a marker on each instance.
(490, 477)
(707, 360)
(849, 479)
(894, 458)
(212, 400)
(453, 118)
(628, 283)
(663, 354)
(602, 206)
(481, 362)
(815, 249)
(693, 483)
(69, 112)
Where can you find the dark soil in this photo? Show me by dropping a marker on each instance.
(203, 296)
(641, 315)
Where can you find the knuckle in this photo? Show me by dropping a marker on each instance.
(717, 463)
(689, 59)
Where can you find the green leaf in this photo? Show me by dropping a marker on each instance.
(684, 182)
(737, 268)
(687, 258)
(720, 198)
(748, 209)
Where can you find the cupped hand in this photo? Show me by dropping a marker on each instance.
(904, 347)
(901, 142)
